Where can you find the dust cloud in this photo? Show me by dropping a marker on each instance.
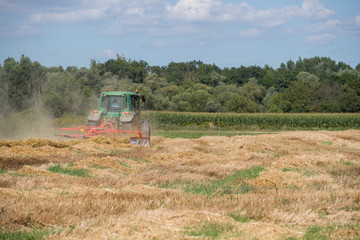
(26, 124)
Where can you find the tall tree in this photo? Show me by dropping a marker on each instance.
(240, 104)
(349, 100)
(18, 79)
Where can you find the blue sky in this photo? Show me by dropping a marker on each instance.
(228, 33)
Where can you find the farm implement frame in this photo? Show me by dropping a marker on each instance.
(140, 137)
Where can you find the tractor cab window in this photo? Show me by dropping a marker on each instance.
(134, 102)
(114, 103)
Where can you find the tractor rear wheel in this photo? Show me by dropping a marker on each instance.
(134, 125)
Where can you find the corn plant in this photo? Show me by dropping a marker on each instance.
(321, 121)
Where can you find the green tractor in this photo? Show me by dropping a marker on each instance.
(118, 114)
(122, 109)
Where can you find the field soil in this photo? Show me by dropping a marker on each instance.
(288, 185)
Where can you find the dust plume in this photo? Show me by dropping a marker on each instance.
(26, 124)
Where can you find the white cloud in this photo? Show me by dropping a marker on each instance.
(136, 11)
(208, 19)
(198, 19)
(68, 17)
(327, 26)
(314, 9)
(103, 55)
(320, 39)
(21, 29)
(357, 20)
(190, 10)
(353, 24)
(275, 17)
(271, 17)
(250, 33)
(5, 3)
(160, 44)
(214, 10)
(335, 26)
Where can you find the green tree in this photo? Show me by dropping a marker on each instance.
(283, 77)
(253, 91)
(300, 94)
(154, 82)
(358, 67)
(348, 99)
(184, 106)
(134, 70)
(268, 80)
(37, 82)
(198, 100)
(179, 72)
(17, 82)
(209, 74)
(223, 92)
(170, 91)
(56, 94)
(269, 95)
(212, 106)
(240, 104)
(196, 97)
(355, 85)
(94, 78)
(279, 103)
(138, 70)
(347, 76)
(327, 97)
(24, 82)
(62, 95)
(5, 108)
(307, 77)
(160, 103)
(296, 98)
(242, 74)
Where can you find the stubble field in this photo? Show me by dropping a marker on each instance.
(289, 185)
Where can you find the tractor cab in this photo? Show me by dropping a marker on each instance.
(120, 108)
(115, 103)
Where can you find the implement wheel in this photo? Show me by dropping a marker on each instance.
(145, 133)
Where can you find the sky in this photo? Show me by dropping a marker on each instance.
(227, 33)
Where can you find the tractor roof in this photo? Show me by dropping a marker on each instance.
(118, 93)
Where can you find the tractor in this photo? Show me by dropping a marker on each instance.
(118, 114)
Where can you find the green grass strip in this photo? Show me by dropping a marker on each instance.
(212, 230)
(73, 172)
(239, 217)
(318, 232)
(26, 235)
(200, 133)
(232, 184)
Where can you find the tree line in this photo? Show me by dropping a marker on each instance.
(317, 84)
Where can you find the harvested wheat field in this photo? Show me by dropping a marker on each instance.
(289, 185)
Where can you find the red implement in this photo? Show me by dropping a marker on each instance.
(106, 128)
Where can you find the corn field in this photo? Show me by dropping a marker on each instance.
(263, 121)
